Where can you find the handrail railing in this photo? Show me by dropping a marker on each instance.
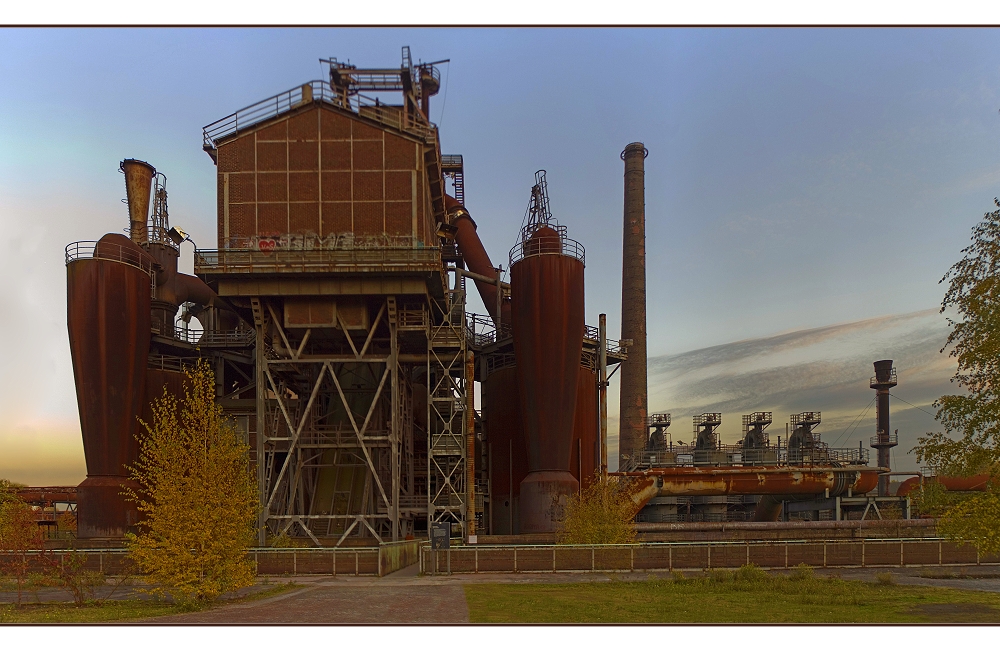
(214, 337)
(317, 260)
(86, 250)
(319, 91)
(545, 246)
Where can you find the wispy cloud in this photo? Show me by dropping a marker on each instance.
(819, 369)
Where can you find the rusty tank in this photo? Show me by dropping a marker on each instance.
(547, 314)
(108, 317)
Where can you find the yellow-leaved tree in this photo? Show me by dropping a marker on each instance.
(974, 415)
(601, 514)
(197, 498)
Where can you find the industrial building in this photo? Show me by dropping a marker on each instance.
(333, 311)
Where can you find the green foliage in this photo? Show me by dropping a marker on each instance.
(197, 497)
(602, 514)
(974, 295)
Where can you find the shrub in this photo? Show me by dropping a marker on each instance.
(602, 514)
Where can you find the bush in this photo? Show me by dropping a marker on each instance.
(885, 578)
(802, 572)
(752, 574)
(602, 514)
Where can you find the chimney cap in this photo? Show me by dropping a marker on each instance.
(634, 148)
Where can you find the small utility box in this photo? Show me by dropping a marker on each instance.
(440, 535)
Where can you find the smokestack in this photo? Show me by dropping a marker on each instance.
(883, 441)
(632, 414)
(138, 181)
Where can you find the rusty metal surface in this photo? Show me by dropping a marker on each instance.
(138, 180)
(48, 494)
(507, 452)
(586, 431)
(633, 395)
(759, 481)
(108, 316)
(544, 496)
(548, 322)
(477, 260)
(974, 483)
(548, 319)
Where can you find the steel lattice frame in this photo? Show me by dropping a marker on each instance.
(446, 411)
(324, 419)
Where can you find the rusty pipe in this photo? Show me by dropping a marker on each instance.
(754, 481)
(477, 259)
(976, 483)
(138, 183)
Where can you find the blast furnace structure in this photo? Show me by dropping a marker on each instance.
(332, 309)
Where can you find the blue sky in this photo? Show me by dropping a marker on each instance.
(798, 179)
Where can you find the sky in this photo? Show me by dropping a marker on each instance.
(806, 189)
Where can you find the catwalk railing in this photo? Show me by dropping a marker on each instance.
(316, 91)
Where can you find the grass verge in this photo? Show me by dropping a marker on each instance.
(747, 595)
(124, 610)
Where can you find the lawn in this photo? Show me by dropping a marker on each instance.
(112, 611)
(748, 595)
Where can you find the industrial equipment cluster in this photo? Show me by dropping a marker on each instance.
(333, 313)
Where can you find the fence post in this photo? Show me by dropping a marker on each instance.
(553, 559)
(356, 564)
(334, 562)
(670, 558)
(477, 560)
(100, 560)
(786, 556)
(295, 563)
(901, 554)
(939, 554)
(379, 559)
(862, 552)
(591, 558)
(449, 561)
(824, 553)
(709, 556)
(748, 552)
(515, 559)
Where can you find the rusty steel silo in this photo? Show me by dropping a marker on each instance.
(108, 316)
(547, 314)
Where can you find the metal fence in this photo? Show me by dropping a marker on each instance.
(353, 561)
(644, 557)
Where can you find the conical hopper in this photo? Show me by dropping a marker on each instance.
(138, 181)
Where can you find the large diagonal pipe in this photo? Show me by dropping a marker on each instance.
(477, 259)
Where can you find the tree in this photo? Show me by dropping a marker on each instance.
(974, 294)
(19, 535)
(601, 514)
(197, 498)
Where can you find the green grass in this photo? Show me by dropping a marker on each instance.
(114, 611)
(748, 595)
